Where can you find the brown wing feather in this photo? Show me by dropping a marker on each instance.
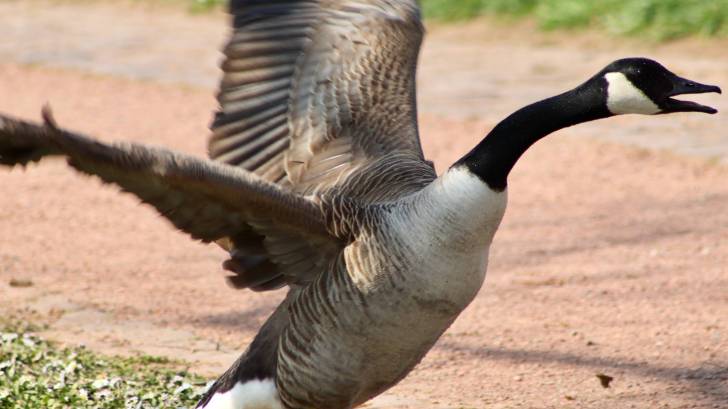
(316, 93)
(314, 89)
(205, 199)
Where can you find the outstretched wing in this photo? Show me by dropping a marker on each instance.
(205, 199)
(315, 89)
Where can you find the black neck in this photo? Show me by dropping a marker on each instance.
(494, 157)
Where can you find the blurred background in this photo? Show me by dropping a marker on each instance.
(482, 59)
(612, 258)
(657, 19)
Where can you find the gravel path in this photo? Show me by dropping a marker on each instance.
(611, 259)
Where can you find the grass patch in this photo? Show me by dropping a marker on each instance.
(206, 5)
(194, 6)
(35, 373)
(657, 19)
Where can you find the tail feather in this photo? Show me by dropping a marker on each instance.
(257, 366)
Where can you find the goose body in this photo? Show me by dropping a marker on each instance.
(412, 267)
(317, 182)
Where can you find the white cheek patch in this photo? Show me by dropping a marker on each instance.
(624, 98)
(254, 394)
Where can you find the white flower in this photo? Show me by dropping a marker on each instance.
(100, 384)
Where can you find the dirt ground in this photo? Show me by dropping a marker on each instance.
(612, 259)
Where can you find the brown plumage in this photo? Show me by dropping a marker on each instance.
(317, 121)
(318, 182)
(313, 92)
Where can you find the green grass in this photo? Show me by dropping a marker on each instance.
(35, 373)
(655, 19)
(204, 5)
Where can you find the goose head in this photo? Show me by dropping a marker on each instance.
(626, 86)
(644, 86)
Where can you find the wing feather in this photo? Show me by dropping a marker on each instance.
(315, 96)
(329, 75)
(209, 201)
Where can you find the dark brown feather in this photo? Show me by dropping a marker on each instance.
(313, 92)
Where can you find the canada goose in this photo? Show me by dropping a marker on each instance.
(319, 183)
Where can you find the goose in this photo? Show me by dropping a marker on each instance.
(317, 181)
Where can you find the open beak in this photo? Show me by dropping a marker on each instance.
(682, 86)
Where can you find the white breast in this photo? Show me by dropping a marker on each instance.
(460, 207)
(447, 234)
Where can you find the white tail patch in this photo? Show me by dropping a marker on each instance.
(623, 97)
(254, 394)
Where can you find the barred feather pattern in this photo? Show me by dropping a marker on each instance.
(389, 282)
(312, 88)
(313, 92)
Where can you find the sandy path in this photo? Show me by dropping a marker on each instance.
(611, 259)
(479, 70)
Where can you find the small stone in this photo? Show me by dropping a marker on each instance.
(604, 380)
(20, 283)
